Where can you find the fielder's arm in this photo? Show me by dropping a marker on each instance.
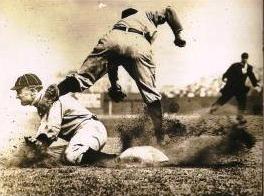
(113, 75)
(173, 21)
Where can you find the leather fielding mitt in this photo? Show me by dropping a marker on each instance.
(50, 96)
(116, 93)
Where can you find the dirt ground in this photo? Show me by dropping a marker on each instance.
(233, 174)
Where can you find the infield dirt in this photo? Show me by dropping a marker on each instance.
(206, 158)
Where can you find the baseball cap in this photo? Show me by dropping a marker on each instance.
(128, 12)
(27, 80)
(244, 55)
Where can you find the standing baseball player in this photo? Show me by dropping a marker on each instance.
(65, 119)
(234, 86)
(127, 44)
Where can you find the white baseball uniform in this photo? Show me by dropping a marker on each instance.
(69, 120)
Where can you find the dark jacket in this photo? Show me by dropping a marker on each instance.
(236, 79)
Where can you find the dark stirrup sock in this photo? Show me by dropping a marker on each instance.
(156, 115)
(92, 156)
(70, 84)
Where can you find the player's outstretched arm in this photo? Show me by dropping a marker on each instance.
(175, 25)
(252, 77)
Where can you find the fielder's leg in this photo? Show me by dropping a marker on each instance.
(143, 72)
(223, 99)
(92, 69)
(156, 114)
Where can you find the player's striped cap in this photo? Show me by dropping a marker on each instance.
(27, 80)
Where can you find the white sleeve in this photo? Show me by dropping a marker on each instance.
(50, 124)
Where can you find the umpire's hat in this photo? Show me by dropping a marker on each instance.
(244, 55)
(27, 80)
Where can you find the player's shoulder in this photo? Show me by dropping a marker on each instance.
(69, 101)
(236, 64)
(67, 98)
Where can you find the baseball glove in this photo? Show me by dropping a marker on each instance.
(50, 96)
(116, 93)
(52, 93)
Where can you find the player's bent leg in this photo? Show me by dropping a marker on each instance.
(79, 156)
(145, 80)
(73, 154)
(91, 156)
(155, 112)
(85, 146)
(92, 69)
(142, 69)
(97, 140)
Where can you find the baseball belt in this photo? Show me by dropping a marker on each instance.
(128, 29)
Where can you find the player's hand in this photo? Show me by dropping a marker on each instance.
(35, 144)
(258, 89)
(179, 42)
(116, 93)
(31, 141)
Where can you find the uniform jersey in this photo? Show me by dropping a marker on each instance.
(147, 21)
(131, 50)
(63, 118)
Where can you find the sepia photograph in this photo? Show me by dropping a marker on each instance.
(131, 97)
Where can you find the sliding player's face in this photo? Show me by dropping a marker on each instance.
(25, 95)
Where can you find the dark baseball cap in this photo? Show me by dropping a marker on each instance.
(128, 12)
(244, 55)
(27, 80)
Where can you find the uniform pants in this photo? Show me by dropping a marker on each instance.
(240, 97)
(90, 134)
(128, 49)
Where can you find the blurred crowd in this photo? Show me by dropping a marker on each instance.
(205, 87)
(202, 88)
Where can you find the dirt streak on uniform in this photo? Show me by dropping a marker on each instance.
(69, 120)
(129, 48)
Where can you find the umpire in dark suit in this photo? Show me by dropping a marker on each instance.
(234, 79)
